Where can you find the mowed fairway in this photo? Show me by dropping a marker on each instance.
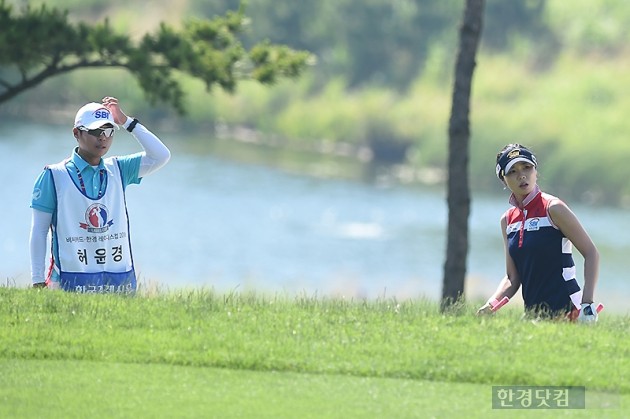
(92, 389)
(198, 354)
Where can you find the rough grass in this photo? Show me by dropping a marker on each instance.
(408, 339)
(190, 351)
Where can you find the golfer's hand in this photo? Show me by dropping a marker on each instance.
(588, 313)
(484, 309)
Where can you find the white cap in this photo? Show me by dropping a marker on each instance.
(94, 115)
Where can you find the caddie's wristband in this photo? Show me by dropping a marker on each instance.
(132, 125)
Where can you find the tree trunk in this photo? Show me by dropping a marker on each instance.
(458, 195)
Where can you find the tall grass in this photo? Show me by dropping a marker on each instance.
(308, 334)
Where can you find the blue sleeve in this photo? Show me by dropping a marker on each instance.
(44, 197)
(130, 168)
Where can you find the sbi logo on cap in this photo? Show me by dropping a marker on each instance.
(101, 113)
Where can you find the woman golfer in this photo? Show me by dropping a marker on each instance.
(539, 232)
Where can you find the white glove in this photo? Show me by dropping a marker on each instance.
(588, 313)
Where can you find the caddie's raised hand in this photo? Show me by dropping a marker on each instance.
(111, 103)
(588, 313)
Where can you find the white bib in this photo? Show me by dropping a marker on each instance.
(93, 234)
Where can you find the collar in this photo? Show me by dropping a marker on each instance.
(81, 164)
(528, 199)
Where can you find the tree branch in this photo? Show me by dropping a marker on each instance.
(42, 44)
(49, 71)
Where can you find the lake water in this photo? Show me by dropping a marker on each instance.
(204, 221)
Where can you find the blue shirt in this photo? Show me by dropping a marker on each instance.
(44, 197)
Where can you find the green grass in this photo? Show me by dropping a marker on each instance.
(159, 390)
(181, 353)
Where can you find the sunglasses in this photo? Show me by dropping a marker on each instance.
(98, 131)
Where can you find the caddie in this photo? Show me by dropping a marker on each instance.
(81, 201)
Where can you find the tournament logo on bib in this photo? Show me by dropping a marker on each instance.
(96, 219)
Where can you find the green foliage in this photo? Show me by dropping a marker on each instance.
(41, 43)
(593, 27)
(380, 42)
(271, 61)
(572, 117)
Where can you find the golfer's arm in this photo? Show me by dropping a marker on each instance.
(40, 223)
(507, 288)
(511, 282)
(155, 154)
